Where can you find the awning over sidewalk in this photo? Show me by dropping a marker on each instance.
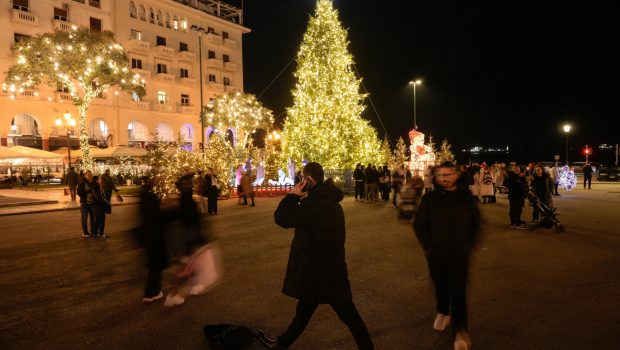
(26, 154)
(9, 153)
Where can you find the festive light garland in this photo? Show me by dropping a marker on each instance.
(86, 62)
(324, 123)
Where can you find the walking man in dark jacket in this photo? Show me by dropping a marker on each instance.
(72, 181)
(85, 188)
(317, 271)
(517, 192)
(587, 176)
(446, 225)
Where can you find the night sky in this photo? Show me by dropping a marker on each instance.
(508, 74)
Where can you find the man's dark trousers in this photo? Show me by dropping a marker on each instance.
(588, 180)
(85, 211)
(450, 279)
(359, 189)
(516, 208)
(73, 191)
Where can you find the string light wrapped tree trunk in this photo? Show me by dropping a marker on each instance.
(84, 61)
(324, 124)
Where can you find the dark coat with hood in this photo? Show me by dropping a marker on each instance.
(316, 269)
(447, 225)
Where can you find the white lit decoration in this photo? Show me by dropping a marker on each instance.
(421, 154)
(568, 180)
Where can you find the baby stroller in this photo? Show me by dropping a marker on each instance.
(408, 202)
(549, 217)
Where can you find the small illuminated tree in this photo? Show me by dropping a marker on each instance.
(86, 62)
(400, 153)
(445, 153)
(219, 155)
(386, 153)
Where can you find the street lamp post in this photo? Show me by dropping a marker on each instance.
(68, 123)
(587, 153)
(200, 30)
(415, 83)
(566, 128)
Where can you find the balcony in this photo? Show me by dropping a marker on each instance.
(142, 105)
(24, 17)
(230, 43)
(188, 81)
(63, 25)
(215, 86)
(165, 51)
(143, 73)
(230, 66)
(187, 56)
(229, 88)
(165, 108)
(214, 39)
(28, 95)
(215, 63)
(165, 77)
(63, 96)
(186, 109)
(138, 45)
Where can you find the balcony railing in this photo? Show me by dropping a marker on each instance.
(188, 81)
(165, 50)
(25, 17)
(63, 25)
(186, 109)
(138, 45)
(230, 43)
(214, 39)
(94, 3)
(165, 77)
(28, 94)
(229, 88)
(142, 105)
(187, 56)
(143, 73)
(63, 96)
(165, 108)
(215, 63)
(215, 86)
(230, 66)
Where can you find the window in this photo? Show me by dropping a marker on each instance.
(175, 23)
(151, 15)
(133, 10)
(183, 46)
(160, 18)
(183, 73)
(162, 68)
(61, 15)
(95, 24)
(142, 13)
(184, 100)
(21, 5)
(135, 34)
(226, 58)
(94, 3)
(210, 30)
(136, 63)
(224, 35)
(60, 87)
(211, 54)
(19, 37)
(226, 81)
(135, 97)
(162, 97)
(184, 25)
(161, 41)
(212, 78)
(168, 20)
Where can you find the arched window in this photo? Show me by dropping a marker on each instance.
(133, 10)
(160, 18)
(175, 23)
(142, 13)
(184, 24)
(168, 20)
(151, 15)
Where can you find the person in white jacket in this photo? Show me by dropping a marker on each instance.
(486, 184)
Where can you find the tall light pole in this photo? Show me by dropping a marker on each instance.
(566, 128)
(200, 30)
(68, 123)
(415, 83)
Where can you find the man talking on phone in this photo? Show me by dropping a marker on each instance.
(317, 271)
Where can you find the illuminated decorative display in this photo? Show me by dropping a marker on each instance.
(567, 178)
(422, 155)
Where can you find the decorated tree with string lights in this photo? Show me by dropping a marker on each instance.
(324, 124)
(386, 153)
(86, 62)
(158, 158)
(219, 156)
(445, 153)
(400, 153)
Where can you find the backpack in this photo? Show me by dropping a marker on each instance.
(229, 336)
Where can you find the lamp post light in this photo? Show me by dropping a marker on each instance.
(415, 83)
(200, 31)
(587, 151)
(566, 129)
(68, 123)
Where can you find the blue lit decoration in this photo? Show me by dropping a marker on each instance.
(568, 180)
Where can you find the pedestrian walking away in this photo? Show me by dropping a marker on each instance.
(447, 226)
(71, 180)
(108, 185)
(213, 190)
(316, 272)
(96, 200)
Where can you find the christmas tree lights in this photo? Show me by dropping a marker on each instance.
(324, 123)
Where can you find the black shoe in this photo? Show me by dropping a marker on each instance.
(252, 205)
(268, 343)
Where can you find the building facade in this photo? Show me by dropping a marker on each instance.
(162, 43)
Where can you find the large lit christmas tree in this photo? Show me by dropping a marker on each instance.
(324, 124)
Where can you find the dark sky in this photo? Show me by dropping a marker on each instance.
(510, 73)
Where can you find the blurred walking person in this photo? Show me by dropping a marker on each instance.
(398, 180)
(203, 192)
(384, 182)
(555, 176)
(447, 227)
(428, 179)
(213, 190)
(541, 186)
(99, 207)
(317, 271)
(71, 180)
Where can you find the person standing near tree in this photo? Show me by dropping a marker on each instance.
(83, 191)
(72, 181)
(246, 188)
(317, 271)
(371, 185)
(213, 190)
(358, 177)
(447, 226)
(108, 185)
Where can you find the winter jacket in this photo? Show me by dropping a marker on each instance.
(316, 268)
(517, 186)
(447, 224)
